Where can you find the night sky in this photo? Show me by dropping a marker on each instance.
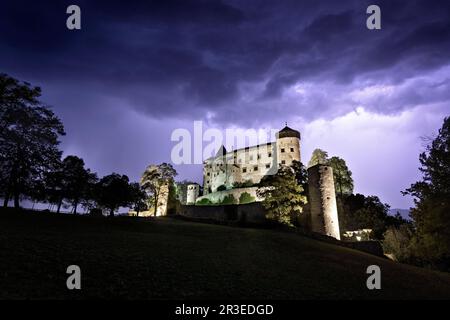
(137, 71)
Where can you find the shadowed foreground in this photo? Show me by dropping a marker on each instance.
(171, 259)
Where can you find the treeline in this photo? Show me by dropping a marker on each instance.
(356, 211)
(31, 164)
(424, 240)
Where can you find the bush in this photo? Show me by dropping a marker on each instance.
(96, 212)
(229, 199)
(397, 242)
(204, 202)
(246, 198)
(244, 184)
(222, 187)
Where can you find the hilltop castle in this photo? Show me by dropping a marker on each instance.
(238, 172)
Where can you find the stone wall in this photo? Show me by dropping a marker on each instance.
(322, 200)
(245, 213)
(217, 197)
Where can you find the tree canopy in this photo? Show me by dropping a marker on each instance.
(283, 198)
(342, 175)
(432, 201)
(29, 139)
(318, 156)
(113, 191)
(157, 180)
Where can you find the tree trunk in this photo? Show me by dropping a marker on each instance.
(156, 202)
(111, 213)
(59, 206)
(6, 200)
(16, 200)
(75, 208)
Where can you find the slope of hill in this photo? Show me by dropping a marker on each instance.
(171, 259)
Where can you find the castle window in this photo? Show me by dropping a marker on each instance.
(269, 154)
(207, 181)
(255, 168)
(267, 166)
(208, 174)
(244, 170)
(283, 161)
(259, 156)
(282, 149)
(292, 149)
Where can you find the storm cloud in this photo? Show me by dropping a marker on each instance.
(137, 70)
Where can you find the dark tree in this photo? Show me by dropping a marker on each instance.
(138, 197)
(301, 175)
(365, 212)
(343, 180)
(431, 214)
(70, 182)
(112, 192)
(29, 133)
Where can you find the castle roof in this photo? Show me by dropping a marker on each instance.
(287, 132)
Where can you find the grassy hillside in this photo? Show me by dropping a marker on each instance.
(166, 258)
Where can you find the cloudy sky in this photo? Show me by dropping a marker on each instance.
(136, 71)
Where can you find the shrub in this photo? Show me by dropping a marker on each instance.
(244, 184)
(222, 187)
(204, 202)
(246, 198)
(229, 199)
(397, 241)
(96, 212)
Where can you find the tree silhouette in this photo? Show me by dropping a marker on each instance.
(112, 192)
(432, 201)
(138, 197)
(343, 180)
(29, 133)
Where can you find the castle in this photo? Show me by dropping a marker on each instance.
(238, 172)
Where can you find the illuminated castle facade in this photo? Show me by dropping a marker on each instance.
(248, 165)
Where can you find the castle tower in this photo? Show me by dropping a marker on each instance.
(193, 191)
(322, 200)
(288, 146)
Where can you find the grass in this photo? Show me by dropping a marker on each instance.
(138, 258)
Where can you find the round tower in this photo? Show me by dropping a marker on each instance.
(193, 191)
(322, 201)
(288, 146)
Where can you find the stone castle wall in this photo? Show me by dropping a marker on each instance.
(217, 197)
(249, 164)
(248, 213)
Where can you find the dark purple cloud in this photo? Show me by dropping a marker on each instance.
(139, 69)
